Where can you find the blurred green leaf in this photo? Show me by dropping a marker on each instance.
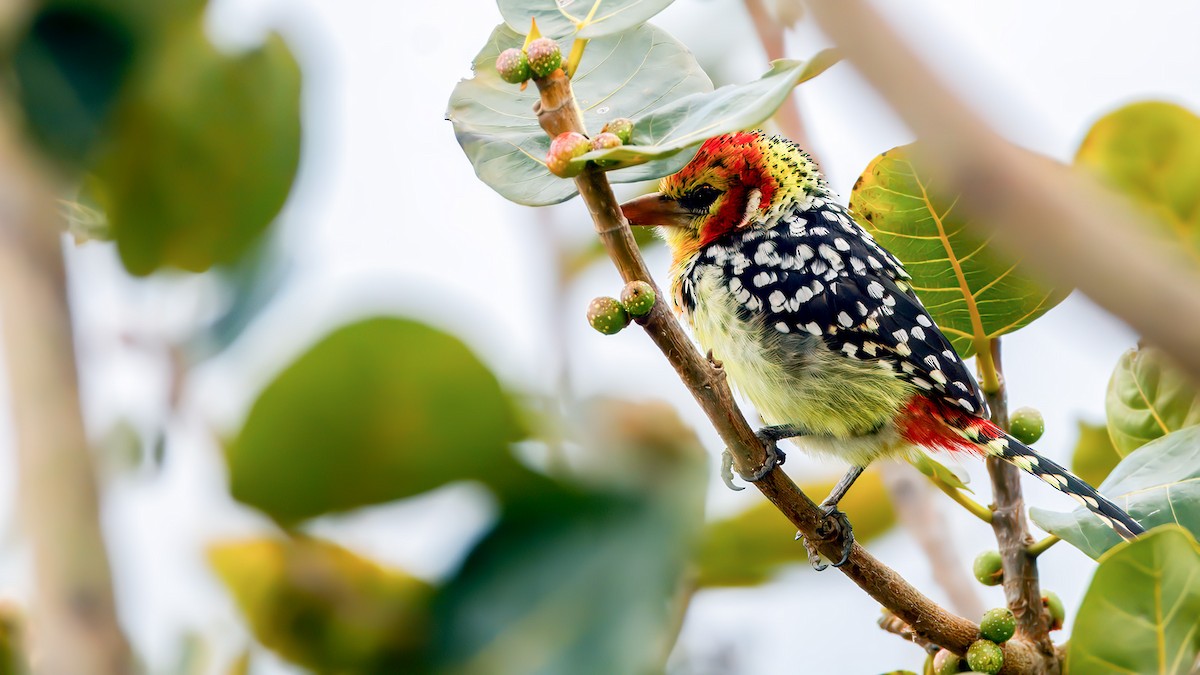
(582, 580)
(1159, 483)
(1094, 456)
(203, 151)
(575, 262)
(750, 547)
(973, 292)
(324, 608)
(1148, 397)
(559, 18)
(1150, 151)
(382, 409)
(937, 471)
(622, 75)
(70, 63)
(1141, 613)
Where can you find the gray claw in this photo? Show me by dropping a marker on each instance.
(727, 471)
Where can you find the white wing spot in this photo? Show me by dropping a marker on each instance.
(844, 319)
(812, 327)
(924, 321)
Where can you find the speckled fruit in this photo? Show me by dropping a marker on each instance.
(1054, 606)
(946, 662)
(567, 146)
(607, 315)
(985, 656)
(622, 128)
(638, 298)
(544, 56)
(1026, 425)
(989, 569)
(998, 625)
(513, 66)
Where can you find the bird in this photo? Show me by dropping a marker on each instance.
(818, 325)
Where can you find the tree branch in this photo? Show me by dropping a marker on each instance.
(1060, 224)
(558, 113)
(75, 625)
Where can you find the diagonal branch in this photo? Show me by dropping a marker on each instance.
(558, 113)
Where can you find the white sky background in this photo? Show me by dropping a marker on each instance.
(388, 215)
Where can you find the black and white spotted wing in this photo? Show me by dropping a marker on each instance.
(816, 271)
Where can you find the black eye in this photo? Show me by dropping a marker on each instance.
(700, 198)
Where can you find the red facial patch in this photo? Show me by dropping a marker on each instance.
(739, 158)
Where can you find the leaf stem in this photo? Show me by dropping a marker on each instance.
(575, 56)
(1042, 546)
(978, 510)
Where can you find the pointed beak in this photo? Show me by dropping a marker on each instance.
(656, 209)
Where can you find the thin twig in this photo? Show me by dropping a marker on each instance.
(1043, 545)
(75, 627)
(558, 113)
(975, 508)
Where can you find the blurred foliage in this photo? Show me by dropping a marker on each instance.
(1157, 484)
(1140, 612)
(12, 656)
(580, 18)
(192, 153)
(973, 292)
(1094, 456)
(1148, 397)
(324, 608)
(1150, 152)
(379, 410)
(749, 548)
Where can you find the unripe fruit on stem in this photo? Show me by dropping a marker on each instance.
(544, 56)
(945, 662)
(985, 656)
(622, 128)
(1054, 606)
(998, 625)
(567, 146)
(638, 298)
(989, 568)
(1026, 425)
(604, 141)
(513, 66)
(607, 315)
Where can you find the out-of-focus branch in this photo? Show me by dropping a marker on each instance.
(1062, 225)
(912, 496)
(558, 113)
(75, 627)
(770, 34)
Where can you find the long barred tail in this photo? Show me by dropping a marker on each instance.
(1023, 457)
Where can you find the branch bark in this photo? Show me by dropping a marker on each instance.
(1061, 225)
(558, 113)
(75, 626)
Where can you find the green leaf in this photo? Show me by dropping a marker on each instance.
(559, 18)
(1159, 483)
(750, 547)
(324, 608)
(693, 119)
(1094, 456)
(582, 580)
(1150, 152)
(940, 473)
(1142, 612)
(623, 75)
(972, 291)
(1148, 397)
(379, 410)
(202, 153)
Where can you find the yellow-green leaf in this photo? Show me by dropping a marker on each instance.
(1148, 397)
(1094, 456)
(1142, 612)
(322, 607)
(973, 292)
(1150, 152)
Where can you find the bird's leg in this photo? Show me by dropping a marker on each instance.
(836, 525)
(775, 457)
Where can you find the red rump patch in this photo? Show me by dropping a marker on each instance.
(932, 425)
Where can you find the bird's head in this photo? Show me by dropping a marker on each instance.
(736, 181)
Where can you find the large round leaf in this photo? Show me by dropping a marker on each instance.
(324, 608)
(1148, 397)
(1141, 613)
(1159, 483)
(202, 153)
(1094, 456)
(379, 410)
(592, 18)
(1150, 151)
(974, 292)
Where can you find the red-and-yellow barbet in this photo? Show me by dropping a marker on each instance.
(816, 324)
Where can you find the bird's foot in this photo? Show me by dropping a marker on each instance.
(834, 527)
(775, 457)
